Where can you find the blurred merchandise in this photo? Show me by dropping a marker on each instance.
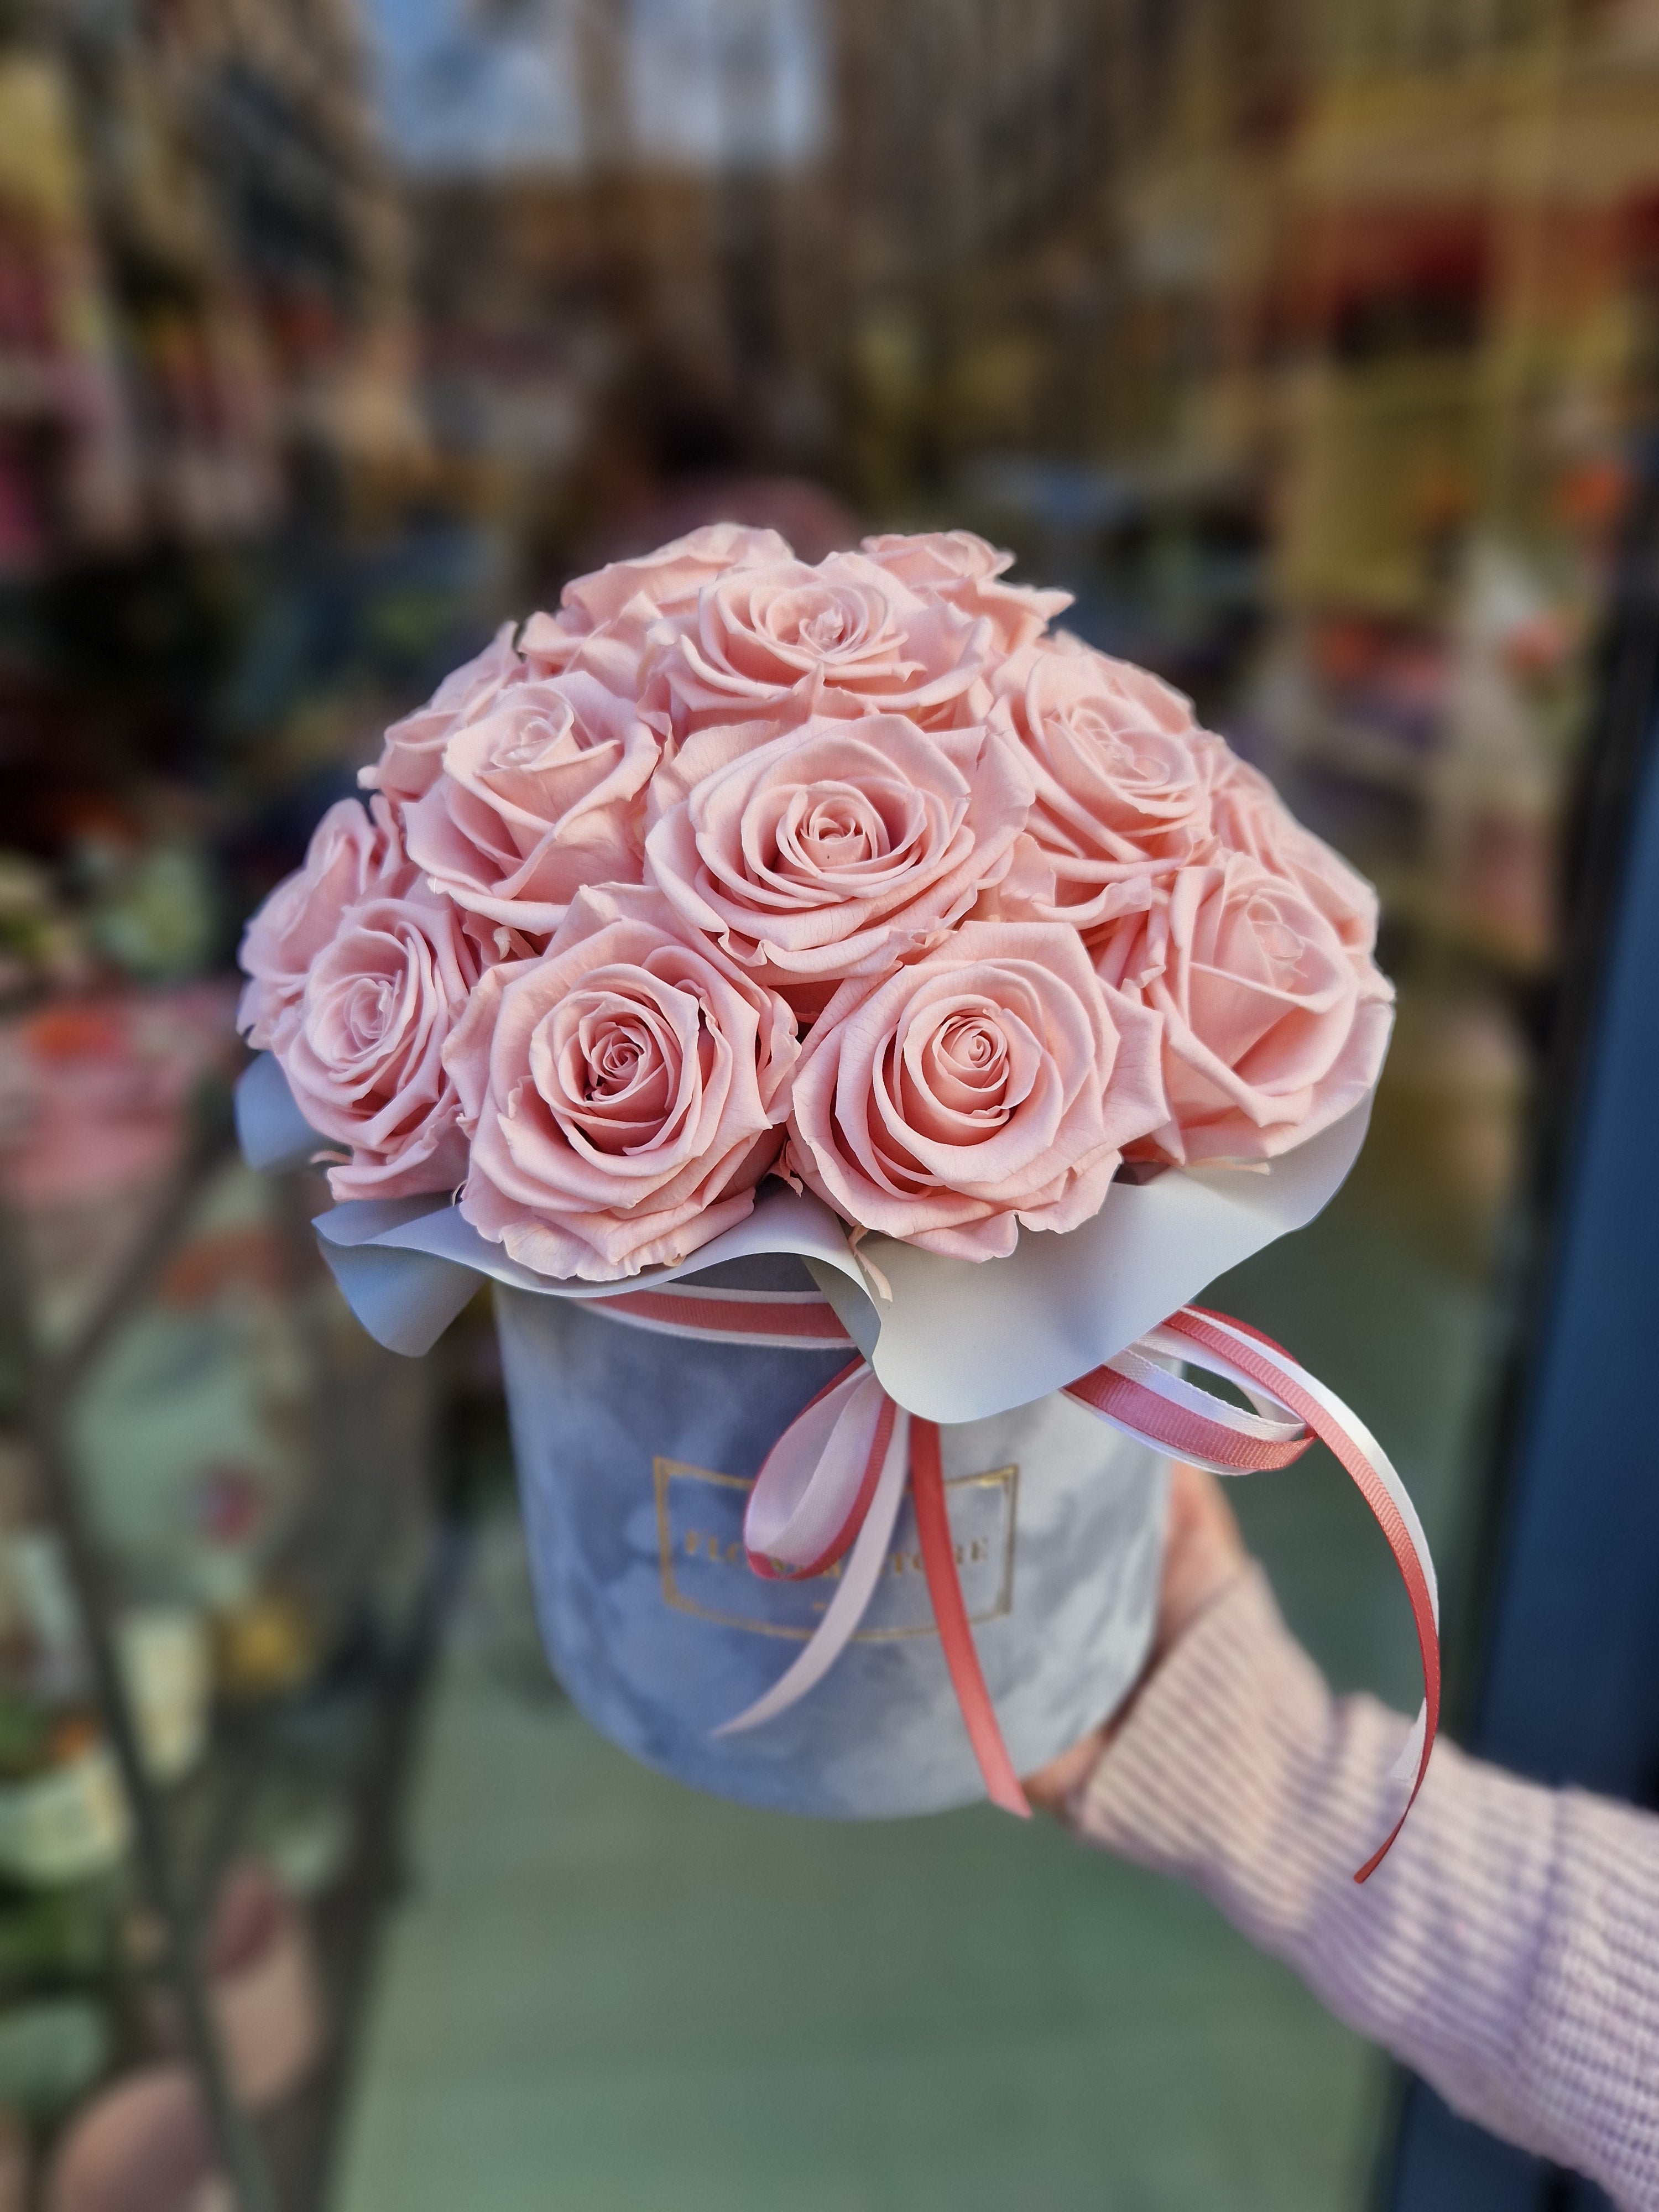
(39, 943)
(14, 2164)
(167, 1665)
(95, 1100)
(64, 1815)
(143, 2146)
(191, 1433)
(40, 1629)
(208, 1480)
(63, 1937)
(154, 915)
(96, 1089)
(1457, 1078)
(264, 1645)
(51, 2049)
(263, 1986)
(303, 1830)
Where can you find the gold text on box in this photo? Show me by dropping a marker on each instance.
(903, 1560)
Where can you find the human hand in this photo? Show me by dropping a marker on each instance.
(1203, 1553)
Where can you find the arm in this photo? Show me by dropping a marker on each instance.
(1508, 1948)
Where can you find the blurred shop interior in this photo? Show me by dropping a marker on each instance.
(1315, 348)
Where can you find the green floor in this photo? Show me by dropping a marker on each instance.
(603, 1994)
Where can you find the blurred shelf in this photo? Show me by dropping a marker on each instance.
(301, 2137)
(208, 1147)
(32, 387)
(344, 1746)
(1410, 897)
(307, 1779)
(1353, 754)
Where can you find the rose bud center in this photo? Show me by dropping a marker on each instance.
(1280, 945)
(370, 1009)
(967, 1062)
(617, 1070)
(836, 826)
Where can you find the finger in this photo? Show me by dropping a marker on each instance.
(1053, 1787)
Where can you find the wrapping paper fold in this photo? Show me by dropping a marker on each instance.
(953, 1340)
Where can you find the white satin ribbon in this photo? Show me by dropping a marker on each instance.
(860, 1572)
(808, 1490)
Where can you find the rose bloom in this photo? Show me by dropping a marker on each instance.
(993, 1084)
(541, 796)
(955, 566)
(1248, 816)
(845, 637)
(838, 849)
(604, 618)
(412, 752)
(1270, 1031)
(363, 1049)
(1122, 793)
(353, 854)
(621, 1092)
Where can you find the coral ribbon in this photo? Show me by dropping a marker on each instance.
(833, 1483)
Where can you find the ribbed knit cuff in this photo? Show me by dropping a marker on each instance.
(1587, 2045)
(1508, 1948)
(1228, 1761)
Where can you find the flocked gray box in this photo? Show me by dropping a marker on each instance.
(634, 1453)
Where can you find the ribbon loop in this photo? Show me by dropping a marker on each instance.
(834, 1481)
(811, 1495)
(854, 1591)
(1144, 1400)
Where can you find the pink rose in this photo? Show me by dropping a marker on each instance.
(353, 854)
(540, 796)
(992, 1085)
(620, 1089)
(671, 577)
(1270, 1032)
(603, 617)
(1122, 794)
(845, 637)
(838, 849)
(955, 566)
(412, 753)
(363, 1049)
(1248, 816)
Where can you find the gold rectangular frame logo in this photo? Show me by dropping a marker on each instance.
(665, 1471)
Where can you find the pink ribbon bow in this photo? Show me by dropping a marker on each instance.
(831, 1485)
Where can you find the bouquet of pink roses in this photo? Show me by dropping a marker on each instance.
(842, 938)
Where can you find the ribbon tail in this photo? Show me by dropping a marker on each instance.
(956, 1635)
(853, 1592)
(1233, 1347)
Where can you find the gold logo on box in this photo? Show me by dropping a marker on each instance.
(705, 1568)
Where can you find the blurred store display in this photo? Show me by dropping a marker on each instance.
(144, 2145)
(217, 1554)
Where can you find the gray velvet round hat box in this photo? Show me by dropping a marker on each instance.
(635, 1452)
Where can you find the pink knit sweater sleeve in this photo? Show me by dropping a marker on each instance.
(1508, 1948)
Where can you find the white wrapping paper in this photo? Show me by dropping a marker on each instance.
(957, 1340)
